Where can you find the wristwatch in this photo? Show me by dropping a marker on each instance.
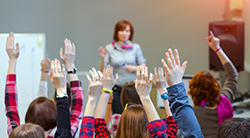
(73, 71)
(61, 95)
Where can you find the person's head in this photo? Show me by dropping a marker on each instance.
(42, 111)
(129, 94)
(234, 128)
(132, 123)
(68, 93)
(204, 86)
(27, 130)
(123, 31)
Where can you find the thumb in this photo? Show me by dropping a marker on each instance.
(184, 66)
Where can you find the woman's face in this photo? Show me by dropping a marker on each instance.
(124, 35)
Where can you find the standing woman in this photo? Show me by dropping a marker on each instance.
(124, 56)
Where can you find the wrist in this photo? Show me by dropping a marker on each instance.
(70, 66)
(145, 98)
(59, 90)
(162, 90)
(218, 49)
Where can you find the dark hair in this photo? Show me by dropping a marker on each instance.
(129, 94)
(132, 123)
(68, 93)
(120, 26)
(27, 130)
(204, 86)
(42, 111)
(234, 128)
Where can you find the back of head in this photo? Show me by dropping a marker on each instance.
(132, 123)
(120, 26)
(204, 86)
(28, 130)
(234, 128)
(129, 94)
(42, 111)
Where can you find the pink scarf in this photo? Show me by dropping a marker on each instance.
(124, 45)
(224, 109)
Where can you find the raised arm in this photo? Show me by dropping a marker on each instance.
(182, 111)
(68, 58)
(230, 85)
(88, 121)
(11, 95)
(58, 78)
(108, 84)
(43, 86)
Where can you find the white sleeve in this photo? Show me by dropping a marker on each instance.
(43, 89)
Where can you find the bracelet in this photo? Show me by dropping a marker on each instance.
(107, 90)
(164, 96)
(44, 71)
(109, 103)
(217, 50)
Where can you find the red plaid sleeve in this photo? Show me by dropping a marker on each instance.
(171, 127)
(101, 130)
(158, 128)
(76, 105)
(113, 123)
(10, 101)
(87, 128)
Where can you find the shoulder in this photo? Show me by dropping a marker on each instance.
(136, 45)
(109, 46)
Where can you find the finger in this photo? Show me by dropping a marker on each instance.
(116, 77)
(11, 41)
(52, 67)
(156, 74)
(146, 74)
(184, 66)
(160, 72)
(101, 75)
(143, 73)
(50, 75)
(89, 79)
(111, 71)
(138, 73)
(73, 48)
(56, 67)
(61, 53)
(150, 78)
(211, 33)
(47, 56)
(95, 73)
(104, 72)
(164, 65)
(169, 61)
(59, 67)
(172, 57)
(17, 47)
(177, 57)
(63, 70)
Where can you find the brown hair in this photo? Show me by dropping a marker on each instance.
(68, 93)
(120, 26)
(204, 86)
(42, 111)
(129, 94)
(27, 130)
(132, 123)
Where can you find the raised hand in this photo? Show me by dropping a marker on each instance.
(95, 85)
(159, 80)
(173, 71)
(12, 52)
(212, 41)
(102, 51)
(142, 84)
(45, 63)
(68, 57)
(57, 76)
(109, 80)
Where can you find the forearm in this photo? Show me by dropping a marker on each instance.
(167, 108)
(90, 107)
(149, 109)
(102, 105)
(222, 56)
(12, 66)
(101, 65)
(108, 112)
(44, 76)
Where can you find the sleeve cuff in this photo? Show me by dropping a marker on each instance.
(76, 83)
(11, 77)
